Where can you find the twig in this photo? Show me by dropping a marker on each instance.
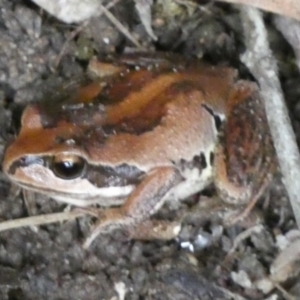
(285, 294)
(120, 26)
(260, 61)
(74, 33)
(289, 8)
(143, 8)
(291, 31)
(241, 237)
(66, 43)
(40, 220)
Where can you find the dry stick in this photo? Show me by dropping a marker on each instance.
(120, 26)
(289, 8)
(143, 8)
(66, 44)
(260, 61)
(40, 220)
(291, 31)
(285, 294)
(75, 32)
(241, 237)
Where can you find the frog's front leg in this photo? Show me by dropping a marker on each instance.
(143, 202)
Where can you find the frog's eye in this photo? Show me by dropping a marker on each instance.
(68, 166)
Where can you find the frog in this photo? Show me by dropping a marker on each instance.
(141, 131)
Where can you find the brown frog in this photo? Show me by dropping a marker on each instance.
(146, 130)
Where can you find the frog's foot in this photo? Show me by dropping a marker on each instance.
(155, 230)
(134, 215)
(242, 215)
(113, 218)
(108, 221)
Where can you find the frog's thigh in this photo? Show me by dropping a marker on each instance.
(144, 201)
(228, 191)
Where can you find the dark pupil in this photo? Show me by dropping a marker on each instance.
(68, 169)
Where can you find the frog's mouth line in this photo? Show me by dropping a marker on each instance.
(81, 200)
(52, 193)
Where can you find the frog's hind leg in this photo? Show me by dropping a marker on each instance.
(245, 159)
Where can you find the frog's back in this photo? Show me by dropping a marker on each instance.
(165, 113)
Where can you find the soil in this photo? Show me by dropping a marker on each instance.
(49, 262)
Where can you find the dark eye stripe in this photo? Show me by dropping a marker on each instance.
(104, 176)
(26, 161)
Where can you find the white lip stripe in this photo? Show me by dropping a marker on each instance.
(77, 188)
(114, 191)
(87, 202)
(105, 192)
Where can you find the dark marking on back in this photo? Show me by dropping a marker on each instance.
(105, 176)
(198, 161)
(217, 119)
(211, 158)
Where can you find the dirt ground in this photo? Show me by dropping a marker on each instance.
(49, 262)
